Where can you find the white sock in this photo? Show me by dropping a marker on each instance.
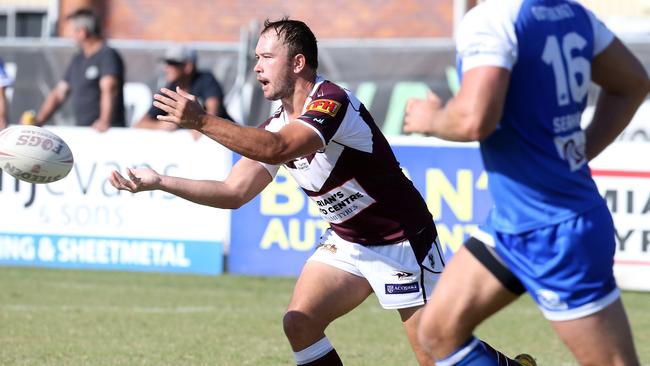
(313, 352)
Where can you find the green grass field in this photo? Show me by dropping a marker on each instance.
(62, 317)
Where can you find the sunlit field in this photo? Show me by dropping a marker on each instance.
(63, 317)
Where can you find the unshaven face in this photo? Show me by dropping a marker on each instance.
(273, 67)
(173, 71)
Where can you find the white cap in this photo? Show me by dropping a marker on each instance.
(180, 54)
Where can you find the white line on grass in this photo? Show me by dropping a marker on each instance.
(110, 309)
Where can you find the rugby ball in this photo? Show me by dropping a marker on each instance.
(34, 154)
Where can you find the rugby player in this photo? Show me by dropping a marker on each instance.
(382, 238)
(526, 69)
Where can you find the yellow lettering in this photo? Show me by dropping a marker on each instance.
(294, 199)
(455, 237)
(452, 239)
(459, 199)
(300, 235)
(322, 225)
(482, 181)
(470, 229)
(275, 234)
(312, 208)
(309, 231)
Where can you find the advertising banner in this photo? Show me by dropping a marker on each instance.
(276, 232)
(81, 221)
(622, 173)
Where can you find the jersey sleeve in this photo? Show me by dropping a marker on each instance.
(325, 113)
(603, 36)
(486, 37)
(111, 65)
(212, 88)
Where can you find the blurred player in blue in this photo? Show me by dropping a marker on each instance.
(526, 69)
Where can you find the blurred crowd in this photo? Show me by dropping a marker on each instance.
(94, 83)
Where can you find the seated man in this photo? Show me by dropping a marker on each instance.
(181, 71)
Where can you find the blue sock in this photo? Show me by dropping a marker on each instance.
(475, 352)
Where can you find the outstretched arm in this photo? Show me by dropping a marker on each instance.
(247, 179)
(292, 141)
(624, 84)
(471, 115)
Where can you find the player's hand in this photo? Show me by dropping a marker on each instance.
(3, 123)
(421, 114)
(141, 179)
(101, 126)
(196, 134)
(182, 108)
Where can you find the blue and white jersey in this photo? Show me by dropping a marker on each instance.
(535, 160)
(5, 79)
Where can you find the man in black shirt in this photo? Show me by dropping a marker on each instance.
(180, 70)
(94, 79)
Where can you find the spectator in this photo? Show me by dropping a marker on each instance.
(94, 79)
(181, 71)
(5, 81)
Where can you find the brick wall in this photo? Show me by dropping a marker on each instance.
(221, 20)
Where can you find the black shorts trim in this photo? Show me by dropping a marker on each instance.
(490, 260)
(421, 244)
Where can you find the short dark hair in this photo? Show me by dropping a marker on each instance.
(298, 38)
(86, 18)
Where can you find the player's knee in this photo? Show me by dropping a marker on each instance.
(439, 334)
(429, 336)
(296, 324)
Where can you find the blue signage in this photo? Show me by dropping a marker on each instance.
(276, 232)
(128, 254)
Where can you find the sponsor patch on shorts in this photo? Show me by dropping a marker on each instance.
(401, 288)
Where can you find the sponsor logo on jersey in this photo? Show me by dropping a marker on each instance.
(402, 275)
(326, 106)
(328, 247)
(401, 288)
(343, 203)
(301, 164)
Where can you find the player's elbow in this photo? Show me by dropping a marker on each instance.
(273, 153)
(232, 205)
(477, 129)
(474, 123)
(644, 85)
(637, 87)
(272, 159)
(232, 202)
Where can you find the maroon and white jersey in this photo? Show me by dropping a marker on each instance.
(355, 180)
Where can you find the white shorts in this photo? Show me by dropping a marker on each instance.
(393, 271)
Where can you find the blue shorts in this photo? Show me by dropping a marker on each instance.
(567, 268)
